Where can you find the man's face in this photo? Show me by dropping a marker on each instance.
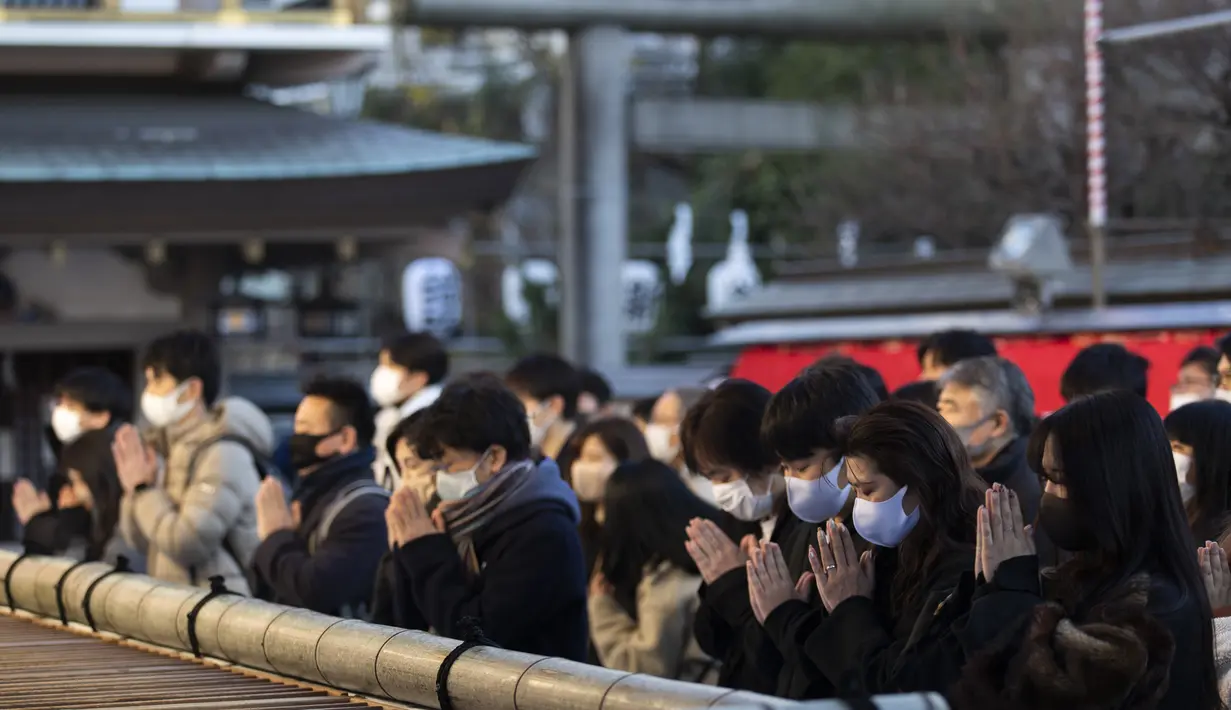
(411, 382)
(1195, 380)
(978, 429)
(1224, 373)
(160, 383)
(315, 416)
(931, 369)
(959, 406)
(816, 466)
(484, 463)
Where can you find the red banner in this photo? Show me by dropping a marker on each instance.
(1042, 358)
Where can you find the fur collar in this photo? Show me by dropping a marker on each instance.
(1118, 657)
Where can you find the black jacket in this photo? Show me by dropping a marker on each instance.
(863, 650)
(1010, 468)
(335, 578)
(789, 627)
(725, 626)
(529, 596)
(54, 532)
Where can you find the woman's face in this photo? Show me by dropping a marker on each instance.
(76, 493)
(872, 485)
(594, 452)
(1053, 471)
(410, 465)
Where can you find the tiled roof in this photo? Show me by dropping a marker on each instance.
(110, 138)
(839, 295)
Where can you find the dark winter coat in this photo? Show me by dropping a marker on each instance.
(337, 576)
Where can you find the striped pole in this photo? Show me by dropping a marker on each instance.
(1096, 166)
(1096, 161)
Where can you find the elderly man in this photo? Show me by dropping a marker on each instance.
(990, 404)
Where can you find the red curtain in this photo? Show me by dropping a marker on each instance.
(1042, 358)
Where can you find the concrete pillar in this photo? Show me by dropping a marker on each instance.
(603, 57)
(568, 236)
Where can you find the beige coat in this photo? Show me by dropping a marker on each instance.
(181, 526)
(660, 642)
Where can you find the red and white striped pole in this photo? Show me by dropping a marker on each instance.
(1096, 162)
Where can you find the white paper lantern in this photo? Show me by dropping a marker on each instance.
(432, 296)
(643, 292)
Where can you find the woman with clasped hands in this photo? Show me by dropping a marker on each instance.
(886, 625)
(1126, 622)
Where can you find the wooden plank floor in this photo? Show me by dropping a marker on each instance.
(47, 668)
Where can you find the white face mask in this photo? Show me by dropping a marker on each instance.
(385, 386)
(538, 430)
(1183, 462)
(819, 500)
(166, 409)
(738, 499)
(1223, 394)
(1180, 399)
(659, 437)
(885, 523)
(590, 480)
(458, 485)
(66, 424)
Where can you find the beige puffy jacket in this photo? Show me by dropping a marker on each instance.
(180, 525)
(660, 641)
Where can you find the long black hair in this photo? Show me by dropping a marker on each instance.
(913, 445)
(1206, 427)
(1115, 462)
(647, 508)
(90, 456)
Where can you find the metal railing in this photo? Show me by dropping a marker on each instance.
(226, 12)
(365, 660)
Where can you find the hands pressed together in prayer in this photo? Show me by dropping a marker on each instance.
(29, 501)
(135, 462)
(1216, 573)
(1001, 535)
(272, 512)
(840, 572)
(407, 518)
(769, 581)
(714, 552)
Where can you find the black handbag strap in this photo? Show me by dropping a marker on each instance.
(8, 580)
(217, 588)
(121, 567)
(472, 636)
(60, 590)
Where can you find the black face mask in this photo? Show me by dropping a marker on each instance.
(303, 450)
(1065, 525)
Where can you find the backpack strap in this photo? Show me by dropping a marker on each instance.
(350, 493)
(263, 463)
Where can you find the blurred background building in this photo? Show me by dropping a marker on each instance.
(302, 178)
